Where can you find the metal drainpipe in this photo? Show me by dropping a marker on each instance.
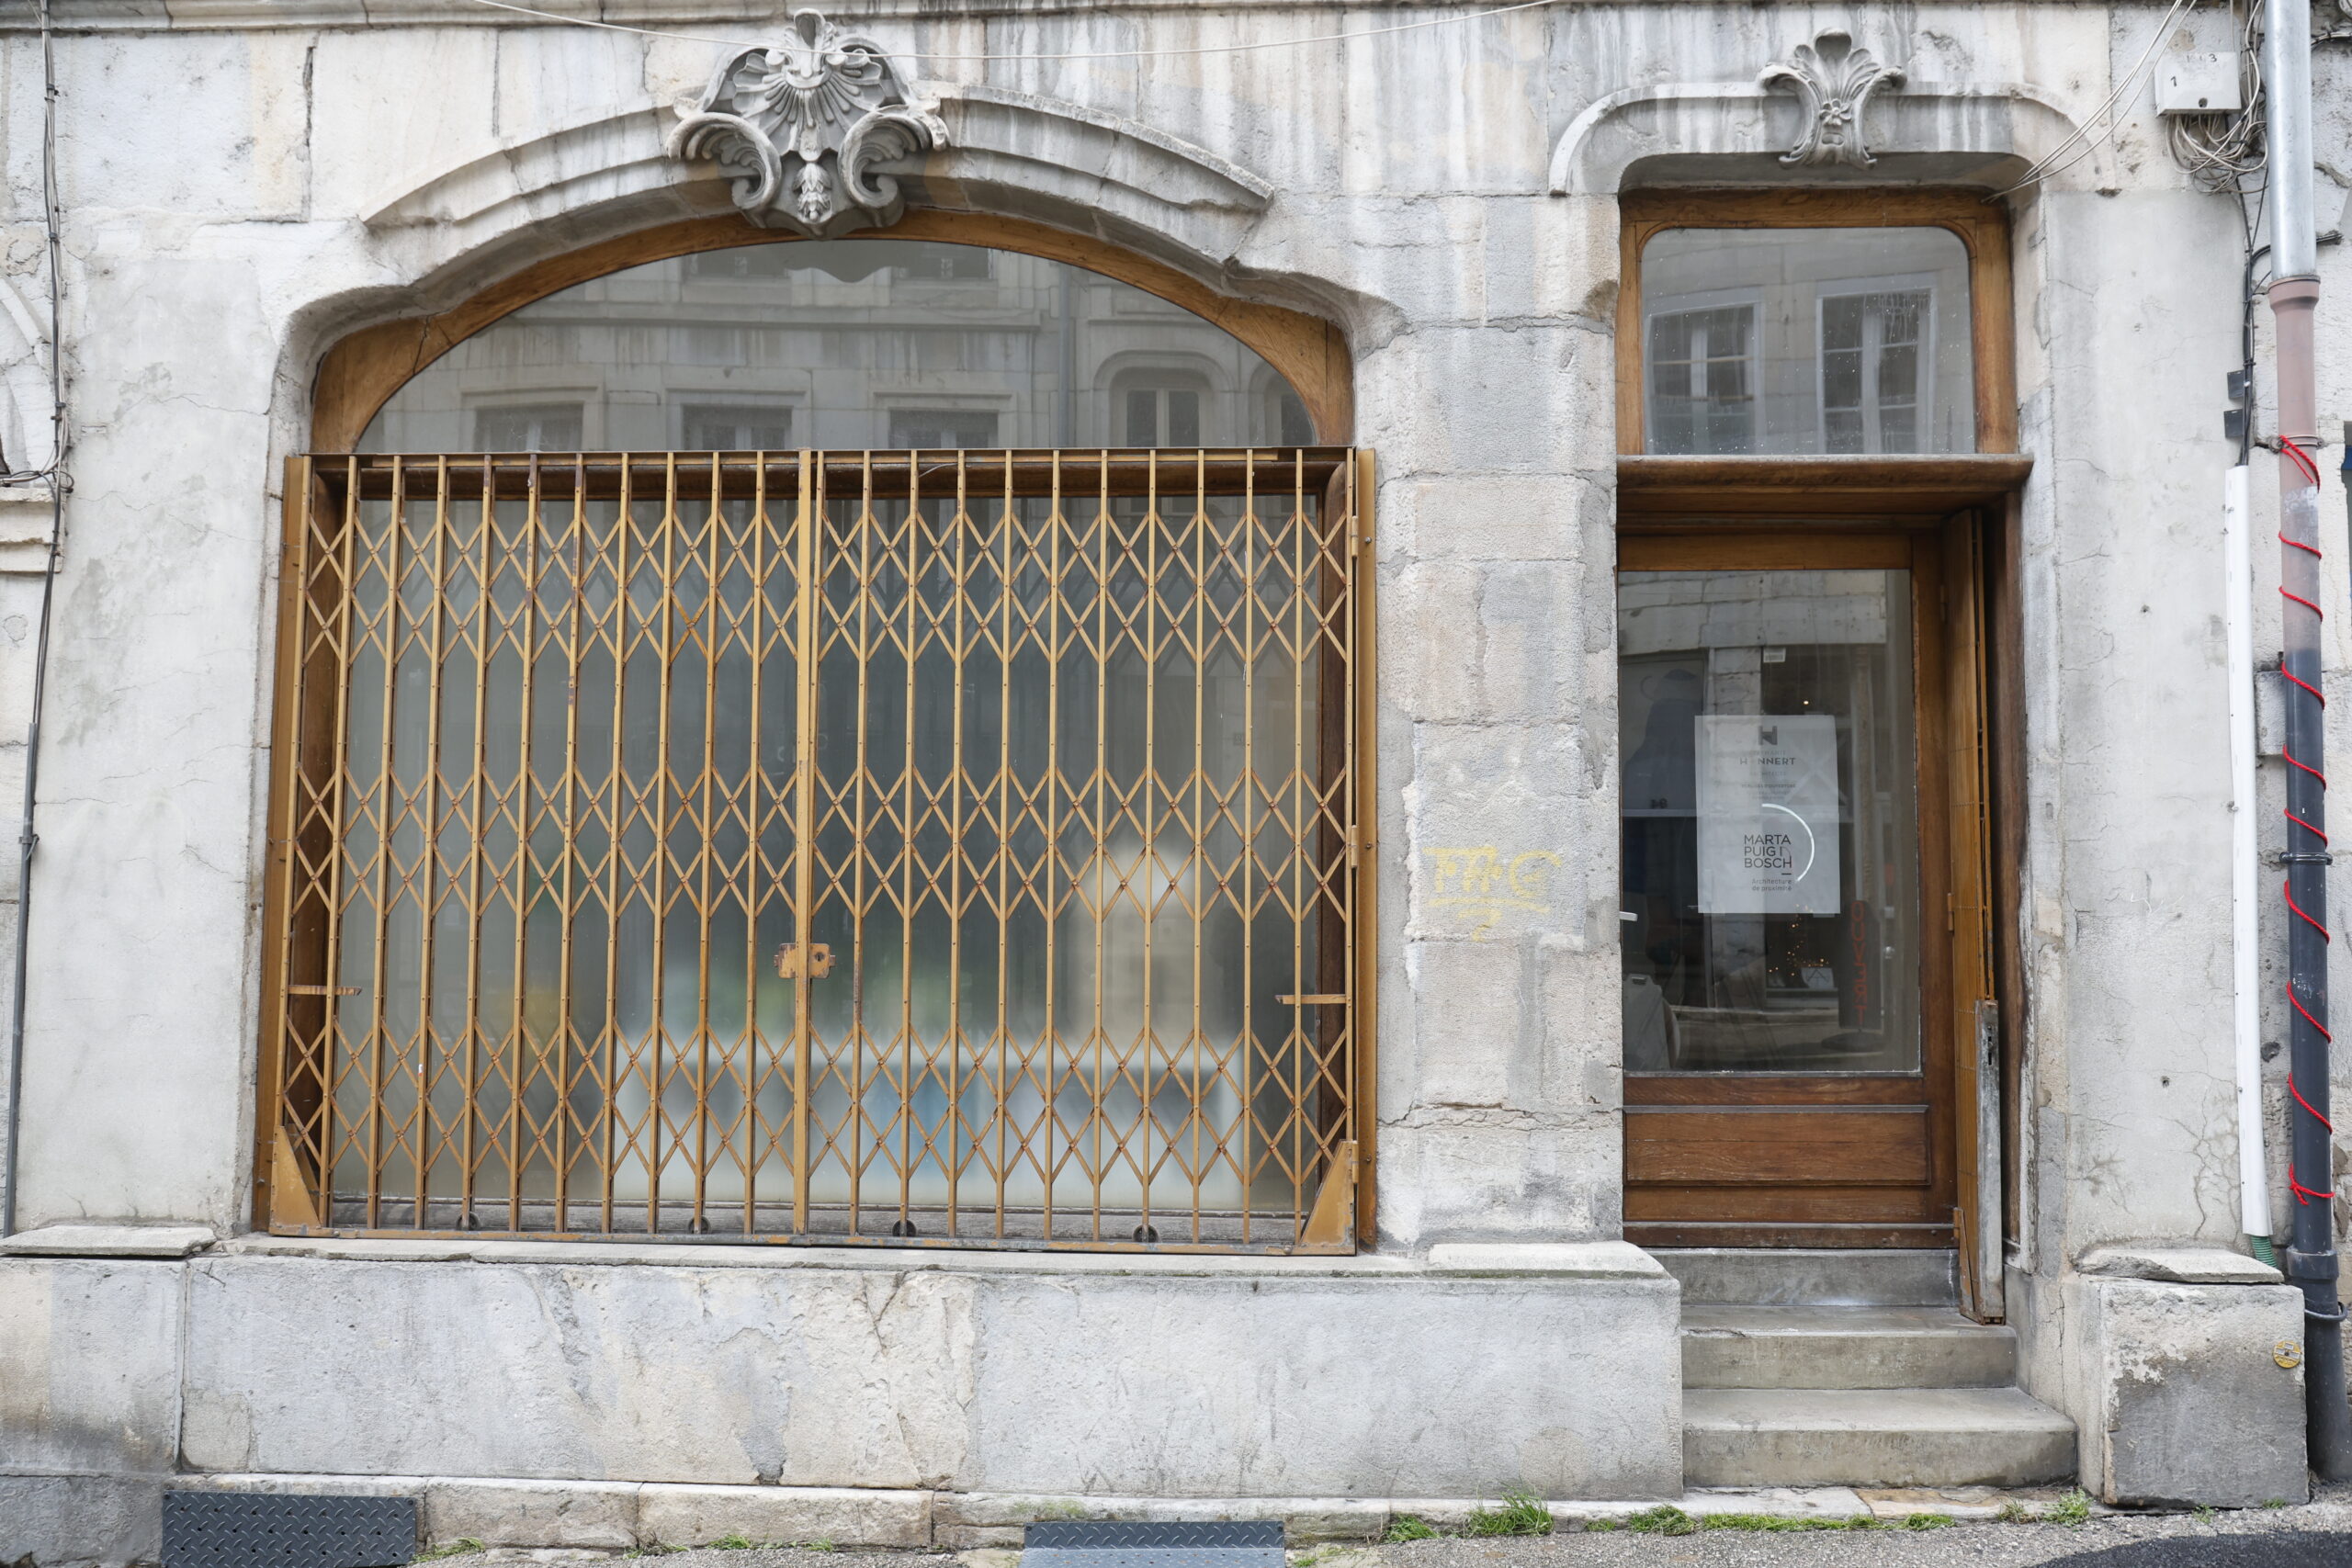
(2294, 292)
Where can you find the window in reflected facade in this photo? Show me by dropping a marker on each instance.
(1803, 341)
(845, 344)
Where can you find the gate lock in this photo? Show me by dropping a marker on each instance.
(812, 962)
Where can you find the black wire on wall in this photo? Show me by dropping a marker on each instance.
(26, 839)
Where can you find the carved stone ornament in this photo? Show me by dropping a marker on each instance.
(1835, 80)
(799, 127)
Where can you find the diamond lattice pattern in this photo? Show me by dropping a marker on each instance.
(594, 761)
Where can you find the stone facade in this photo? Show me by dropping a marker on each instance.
(243, 185)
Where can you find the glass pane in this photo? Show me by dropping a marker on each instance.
(1770, 828)
(1289, 420)
(1700, 381)
(1069, 882)
(527, 427)
(842, 344)
(704, 427)
(942, 428)
(1799, 341)
(584, 858)
(1183, 418)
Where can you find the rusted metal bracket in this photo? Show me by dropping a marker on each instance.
(1331, 1225)
(813, 961)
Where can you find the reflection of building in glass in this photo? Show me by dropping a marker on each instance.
(1807, 340)
(1738, 987)
(847, 345)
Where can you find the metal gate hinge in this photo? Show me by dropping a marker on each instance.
(815, 961)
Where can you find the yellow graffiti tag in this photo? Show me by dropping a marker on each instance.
(1485, 885)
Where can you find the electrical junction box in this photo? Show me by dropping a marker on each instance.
(2198, 83)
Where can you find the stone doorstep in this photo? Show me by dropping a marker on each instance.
(520, 1519)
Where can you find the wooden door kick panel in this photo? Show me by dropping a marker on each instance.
(1792, 1204)
(1759, 1146)
(1715, 1091)
(1835, 1236)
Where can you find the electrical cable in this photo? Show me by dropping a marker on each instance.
(2041, 168)
(2220, 151)
(26, 839)
(1006, 58)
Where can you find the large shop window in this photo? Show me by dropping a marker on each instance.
(941, 833)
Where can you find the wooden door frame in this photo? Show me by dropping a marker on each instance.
(1755, 509)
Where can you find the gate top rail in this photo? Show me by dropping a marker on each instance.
(879, 474)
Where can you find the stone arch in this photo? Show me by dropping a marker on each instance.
(1932, 133)
(1007, 152)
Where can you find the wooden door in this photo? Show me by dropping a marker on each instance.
(1803, 885)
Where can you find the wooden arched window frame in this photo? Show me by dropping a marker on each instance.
(361, 372)
(1321, 494)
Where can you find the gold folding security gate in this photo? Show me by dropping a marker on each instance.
(947, 848)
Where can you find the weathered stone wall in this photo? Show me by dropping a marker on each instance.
(1206, 1378)
(243, 185)
(310, 189)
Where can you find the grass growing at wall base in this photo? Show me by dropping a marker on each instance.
(1667, 1520)
(1519, 1513)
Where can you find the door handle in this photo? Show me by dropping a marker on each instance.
(1320, 999)
(813, 961)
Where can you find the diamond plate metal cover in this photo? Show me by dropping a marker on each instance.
(257, 1530)
(1152, 1557)
(1096, 1535)
(1186, 1543)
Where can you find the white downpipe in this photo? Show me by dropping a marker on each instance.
(2237, 563)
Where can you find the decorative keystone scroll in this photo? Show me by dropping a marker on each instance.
(800, 126)
(1835, 80)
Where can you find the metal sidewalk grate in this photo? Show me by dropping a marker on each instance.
(248, 1529)
(1181, 1544)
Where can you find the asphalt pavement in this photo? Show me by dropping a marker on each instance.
(2317, 1535)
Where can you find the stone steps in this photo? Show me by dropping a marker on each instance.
(1744, 1276)
(1908, 1437)
(1852, 1347)
(1852, 1369)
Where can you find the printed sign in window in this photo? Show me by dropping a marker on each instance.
(1767, 814)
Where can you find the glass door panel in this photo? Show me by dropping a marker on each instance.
(1770, 821)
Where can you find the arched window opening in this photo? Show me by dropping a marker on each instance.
(847, 345)
(769, 759)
